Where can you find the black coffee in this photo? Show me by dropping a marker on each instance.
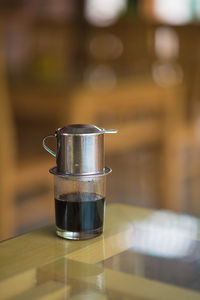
(78, 212)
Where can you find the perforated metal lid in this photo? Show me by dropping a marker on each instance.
(77, 129)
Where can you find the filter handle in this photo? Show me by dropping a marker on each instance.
(109, 130)
(45, 146)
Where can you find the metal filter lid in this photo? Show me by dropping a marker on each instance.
(79, 129)
(80, 150)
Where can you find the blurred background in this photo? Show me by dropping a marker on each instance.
(132, 65)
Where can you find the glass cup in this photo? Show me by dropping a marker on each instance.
(79, 206)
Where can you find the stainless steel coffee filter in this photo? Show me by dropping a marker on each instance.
(80, 150)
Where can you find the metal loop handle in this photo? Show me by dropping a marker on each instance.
(47, 148)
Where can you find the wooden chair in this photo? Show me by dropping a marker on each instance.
(19, 179)
(7, 156)
(135, 107)
(145, 116)
(182, 170)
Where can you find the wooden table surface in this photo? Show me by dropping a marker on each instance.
(143, 254)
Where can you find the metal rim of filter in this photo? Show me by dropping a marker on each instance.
(106, 172)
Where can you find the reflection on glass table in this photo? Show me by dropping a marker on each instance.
(165, 248)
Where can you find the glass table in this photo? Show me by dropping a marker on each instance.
(143, 254)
